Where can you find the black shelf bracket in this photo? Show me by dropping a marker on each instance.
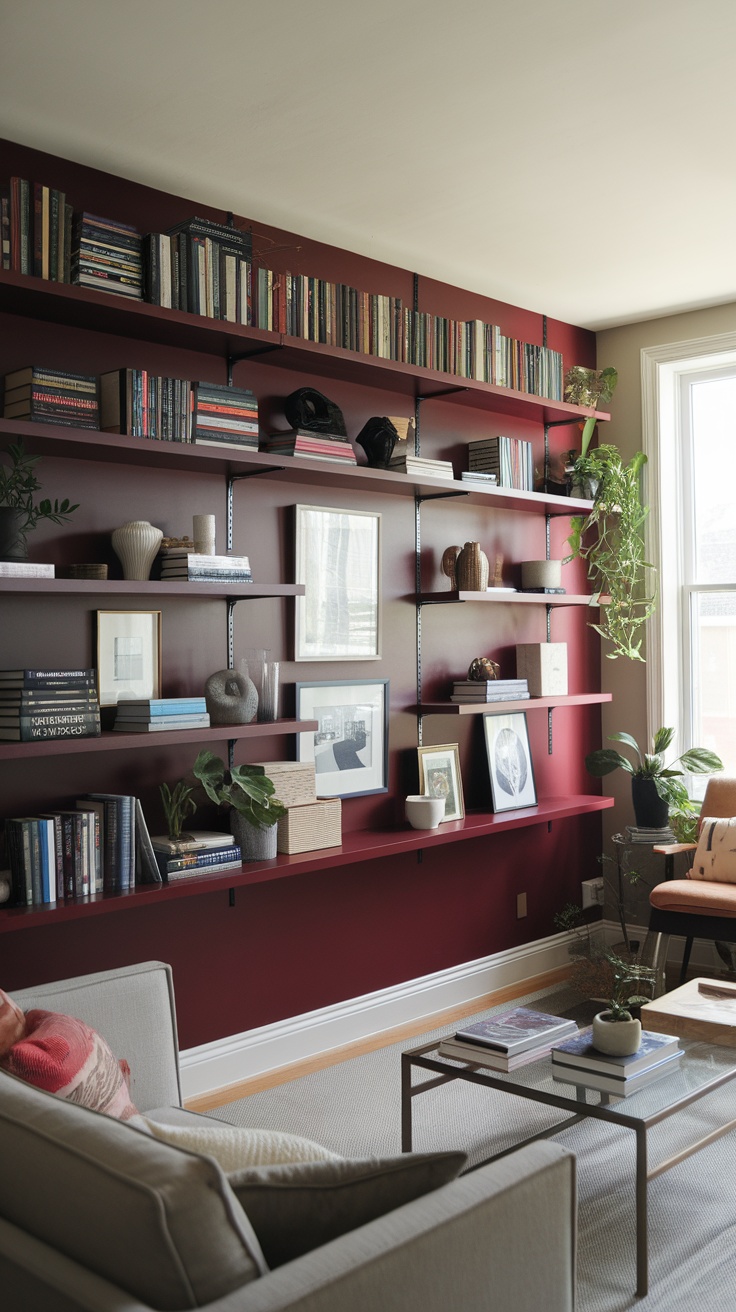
(231, 604)
(438, 496)
(418, 591)
(232, 360)
(444, 391)
(232, 479)
(231, 897)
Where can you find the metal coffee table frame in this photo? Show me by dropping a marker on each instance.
(445, 1072)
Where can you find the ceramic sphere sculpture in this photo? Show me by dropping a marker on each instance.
(231, 698)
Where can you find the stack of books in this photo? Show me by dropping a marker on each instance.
(140, 404)
(197, 853)
(37, 230)
(26, 569)
(225, 416)
(51, 396)
(509, 458)
(489, 690)
(514, 1038)
(161, 714)
(576, 1061)
(478, 476)
(194, 566)
(40, 704)
(317, 446)
(425, 468)
(107, 255)
(211, 269)
(637, 834)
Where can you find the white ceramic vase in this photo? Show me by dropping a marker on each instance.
(424, 812)
(619, 1038)
(136, 544)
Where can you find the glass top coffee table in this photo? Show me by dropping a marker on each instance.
(703, 1068)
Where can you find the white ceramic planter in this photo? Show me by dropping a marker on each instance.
(255, 844)
(136, 545)
(619, 1038)
(424, 812)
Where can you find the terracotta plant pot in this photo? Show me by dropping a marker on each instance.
(619, 1038)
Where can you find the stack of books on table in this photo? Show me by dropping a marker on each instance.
(40, 704)
(509, 458)
(511, 1039)
(317, 446)
(161, 714)
(51, 396)
(637, 834)
(425, 468)
(140, 404)
(196, 853)
(225, 416)
(107, 255)
(490, 690)
(576, 1061)
(194, 566)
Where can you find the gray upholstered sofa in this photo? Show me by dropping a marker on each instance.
(76, 1236)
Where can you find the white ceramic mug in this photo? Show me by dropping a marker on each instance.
(424, 812)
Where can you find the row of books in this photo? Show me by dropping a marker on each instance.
(195, 567)
(160, 714)
(100, 846)
(36, 705)
(206, 268)
(519, 1037)
(489, 690)
(509, 458)
(51, 396)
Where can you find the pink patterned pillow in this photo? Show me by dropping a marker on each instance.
(12, 1023)
(64, 1056)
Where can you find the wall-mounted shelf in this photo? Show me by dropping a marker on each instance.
(113, 741)
(516, 704)
(154, 588)
(81, 307)
(510, 598)
(356, 847)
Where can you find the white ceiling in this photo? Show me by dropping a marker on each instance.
(574, 157)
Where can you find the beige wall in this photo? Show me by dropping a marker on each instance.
(621, 347)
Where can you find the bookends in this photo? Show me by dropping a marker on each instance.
(378, 437)
(307, 408)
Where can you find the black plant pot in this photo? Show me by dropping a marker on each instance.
(649, 808)
(13, 544)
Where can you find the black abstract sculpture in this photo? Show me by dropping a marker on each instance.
(309, 409)
(378, 437)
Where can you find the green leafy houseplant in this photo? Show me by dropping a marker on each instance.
(650, 777)
(178, 803)
(245, 788)
(18, 488)
(626, 977)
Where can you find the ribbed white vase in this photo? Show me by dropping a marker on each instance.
(136, 545)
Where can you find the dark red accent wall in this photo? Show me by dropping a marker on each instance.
(309, 941)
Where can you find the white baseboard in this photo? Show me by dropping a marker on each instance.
(239, 1057)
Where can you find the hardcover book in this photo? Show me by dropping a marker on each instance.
(579, 1052)
(614, 1083)
(515, 1031)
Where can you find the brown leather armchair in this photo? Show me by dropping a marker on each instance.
(693, 908)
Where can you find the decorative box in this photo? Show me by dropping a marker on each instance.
(293, 781)
(310, 827)
(544, 666)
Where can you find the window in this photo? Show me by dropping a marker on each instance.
(690, 438)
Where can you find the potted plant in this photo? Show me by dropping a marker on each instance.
(654, 786)
(249, 794)
(178, 803)
(587, 387)
(19, 510)
(615, 1030)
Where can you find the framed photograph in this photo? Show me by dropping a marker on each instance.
(350, 745)
(509, 761)
(338, 559)
(439, 776)
(128, 655)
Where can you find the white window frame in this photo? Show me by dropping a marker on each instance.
(667, 372)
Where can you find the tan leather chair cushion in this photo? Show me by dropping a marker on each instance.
(695, 897)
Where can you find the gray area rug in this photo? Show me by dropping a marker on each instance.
(354, 1109)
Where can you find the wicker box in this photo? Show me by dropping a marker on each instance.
(544, 666)
(308, 828)
(293, 781)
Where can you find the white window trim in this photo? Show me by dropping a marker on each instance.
(662, 370)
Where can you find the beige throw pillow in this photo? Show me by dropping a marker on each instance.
(294, 1209)
(715, 857)
(234, 1146)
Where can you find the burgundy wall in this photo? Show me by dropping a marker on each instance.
(306, 942)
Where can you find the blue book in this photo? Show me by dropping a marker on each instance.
(162, 706)
(47, 857)
(580, 1053)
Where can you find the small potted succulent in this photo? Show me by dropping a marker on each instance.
(178, 803)
(616, 1031)
(19, 509)
(249, 794)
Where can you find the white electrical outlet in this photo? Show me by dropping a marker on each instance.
(592, 892)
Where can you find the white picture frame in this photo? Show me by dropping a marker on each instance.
(510, 764)
(439, 776)
(350, 745)
(338, 559)
(128, 655)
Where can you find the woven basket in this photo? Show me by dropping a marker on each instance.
(308, 828)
